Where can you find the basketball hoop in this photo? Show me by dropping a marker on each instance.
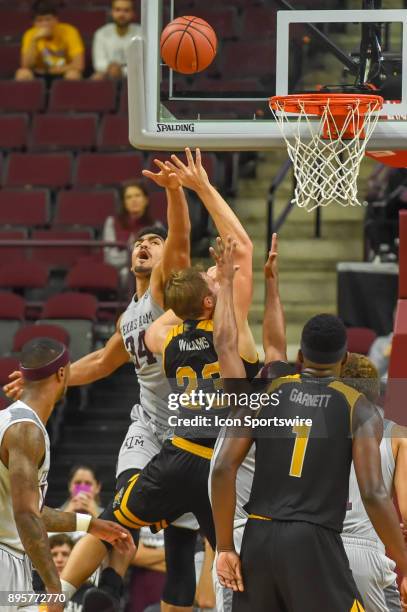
(326, 153)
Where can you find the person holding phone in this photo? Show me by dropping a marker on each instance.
(84, 490)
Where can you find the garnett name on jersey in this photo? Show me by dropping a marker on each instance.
(306, 399)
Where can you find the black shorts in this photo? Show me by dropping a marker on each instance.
(173, 483)
(294, 567)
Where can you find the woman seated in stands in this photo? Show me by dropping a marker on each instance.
(134, 214)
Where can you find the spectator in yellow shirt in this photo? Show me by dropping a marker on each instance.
(51, 48)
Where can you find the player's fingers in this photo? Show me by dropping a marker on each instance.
(190, 158)
(149, 174)
(160, 164)
(274, 243)
(239, 577)
(14, 375)
(214, 254)
(198, 158)
(172, 168)
(178, 162)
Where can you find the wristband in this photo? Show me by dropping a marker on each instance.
(83, 521)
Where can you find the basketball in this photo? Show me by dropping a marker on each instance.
(188, 44)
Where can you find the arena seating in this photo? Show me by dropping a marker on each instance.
(83, 96)
(29, 332)
(94, 277)
(13, 131)
(26, 97)
(113, 133)
(58, 257)
(54, 132)
(13, 253)
(25, 208)
(84, 208)
(12, 314)
(38, 170)
(360, 339)
(23, 275)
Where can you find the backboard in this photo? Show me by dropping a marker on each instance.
(263, 51)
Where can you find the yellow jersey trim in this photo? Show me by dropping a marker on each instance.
(283, 380)
(205, 325)
(351, 395)
(125, 510)
(192, 447)
(259, 518)
(125, 522)
(357, 607)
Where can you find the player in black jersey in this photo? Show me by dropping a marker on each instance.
(292, 556)
(175, 481)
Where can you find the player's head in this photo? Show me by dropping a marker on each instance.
(45, 362)
(148, 249)
(359, 372)
(323, 343)
(134, 199)
(61, 546)
(123, 12)
(191, 294)
(45, 15)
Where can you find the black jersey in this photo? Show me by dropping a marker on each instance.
(191, 366)
(302, 470)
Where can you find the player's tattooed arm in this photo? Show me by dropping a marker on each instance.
(176, 254)
(274, 336)
(367, 428)
(25, 447)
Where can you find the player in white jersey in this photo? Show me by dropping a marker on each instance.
(24, 466)
(372, 569)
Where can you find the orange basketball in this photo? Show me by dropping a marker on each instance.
(188, 44)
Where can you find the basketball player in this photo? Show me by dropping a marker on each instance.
(300, 486)
(24, 466)
(372, 569)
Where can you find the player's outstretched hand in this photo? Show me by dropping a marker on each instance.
(403, 593)
(229, 570)
(14, 389)
(165, 178)
(271, 265)
(223, 257)
(109, 532)
(193, 176)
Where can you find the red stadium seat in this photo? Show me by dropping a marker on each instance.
(25, 334)
(158, 206)
(107, 168)
(13, 23)
(43, 169)
(360, 339)
(21, 207)
(9, 253)
(63, 257)
(9, 60)
(94, 277)
(18, 96)
(7, 365)
(124, 100)
(83, 96)
(89, 208)
(114, 133)
(71, 305)
(12, 306)
(23, 275)
(53, 132)
(13, 131)
(86, 20)
(237, 58)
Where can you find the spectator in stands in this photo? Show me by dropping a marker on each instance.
(51, 49)
(111, 41)
(133, 216)
(84, 488)
(61, 546)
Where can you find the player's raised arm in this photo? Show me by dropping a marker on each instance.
(367, 428)
(194, 176)
(176, 253)
(157, 332)
(25, 447)
(274, 336)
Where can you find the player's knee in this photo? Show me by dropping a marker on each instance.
(24, 74)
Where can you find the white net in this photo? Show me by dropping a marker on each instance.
(326, 152)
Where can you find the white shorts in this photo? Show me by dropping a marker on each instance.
(374, 575)
(224, 596)
(15, 575)
(140, 445)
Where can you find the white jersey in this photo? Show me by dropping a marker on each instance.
(18, 413)
(357, 523)
(154, 386)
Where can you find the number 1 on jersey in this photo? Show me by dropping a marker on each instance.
(300, 446)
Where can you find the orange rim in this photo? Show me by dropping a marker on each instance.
(315, 104)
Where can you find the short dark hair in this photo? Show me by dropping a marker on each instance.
(44, 7)
(158, 230)
(324, 339)
(59, 539)
(40, 352)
